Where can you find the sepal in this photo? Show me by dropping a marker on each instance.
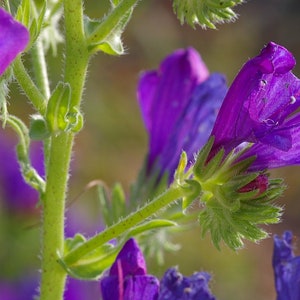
(92, 265)
(38, 129)
(25, 15)
(110, 42)
(60, 115)
(205, 13)
(113, 206)
(235, 200)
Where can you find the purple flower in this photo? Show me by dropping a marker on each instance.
(179, 103)
(17, 195)
(175, 286)
(260, 108)
(18, 289)
(81, 289)
(286, 268)
(14, 38)
(128, 277)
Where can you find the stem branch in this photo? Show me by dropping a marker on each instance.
(116, 230)
(53, 275)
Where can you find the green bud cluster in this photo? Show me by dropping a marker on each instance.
(231, 213)
(205, 13)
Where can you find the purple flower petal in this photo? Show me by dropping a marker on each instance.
(286, 268)
(130, 260)
(17, 195)
(81, 289)
(258, 106)
(164, 93)
(175, 286)
(179, 103)
(127, 277)
(194, 125)
(14, 38)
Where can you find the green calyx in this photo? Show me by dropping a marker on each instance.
(235, 201)
(205, 13)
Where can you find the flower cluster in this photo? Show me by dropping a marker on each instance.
(259, 108)
(128, 279)
(286, 268)
(179, 104)
(254, 129)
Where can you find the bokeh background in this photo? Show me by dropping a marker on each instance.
(112, 145)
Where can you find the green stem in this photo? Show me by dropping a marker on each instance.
(40, 68)
(130, 221)
(53, 275)
(111, 21)
(30, 89)
(77, 55)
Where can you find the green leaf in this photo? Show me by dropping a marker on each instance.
(59, 115)
(23, 13)
(58, 107)
(147, 226)
(38, 128)
(92, 265)
(113, 207)
(112, 42)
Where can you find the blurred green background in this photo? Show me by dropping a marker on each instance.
(112, 145)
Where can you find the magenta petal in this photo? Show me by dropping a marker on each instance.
(176, 286)
(127, 278)
(164, 93)
(269, 157)
(14, 38)
(262, 96)
(130, 260)
(194, 126)
(141, 288)
(286, 268)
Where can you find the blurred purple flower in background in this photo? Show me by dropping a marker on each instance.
(15, 194)
(128, 277)
(14, 38)
(18, 290)
(179, 104)
(175, 286)
(260, 108)
(286, 268)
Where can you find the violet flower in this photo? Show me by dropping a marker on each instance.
(179, 103)
(22, 289)
(128, 277)
(260, 108)
(14, 38)
(286, 268)
(16, 195)
(175, 286)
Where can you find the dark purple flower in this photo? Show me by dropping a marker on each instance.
(179, 103)
(22, 289)
(14, 192)
(175, 286)
(14, 38)
(286, 268)
(127, 278)
(260, 108)
(81, 289)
